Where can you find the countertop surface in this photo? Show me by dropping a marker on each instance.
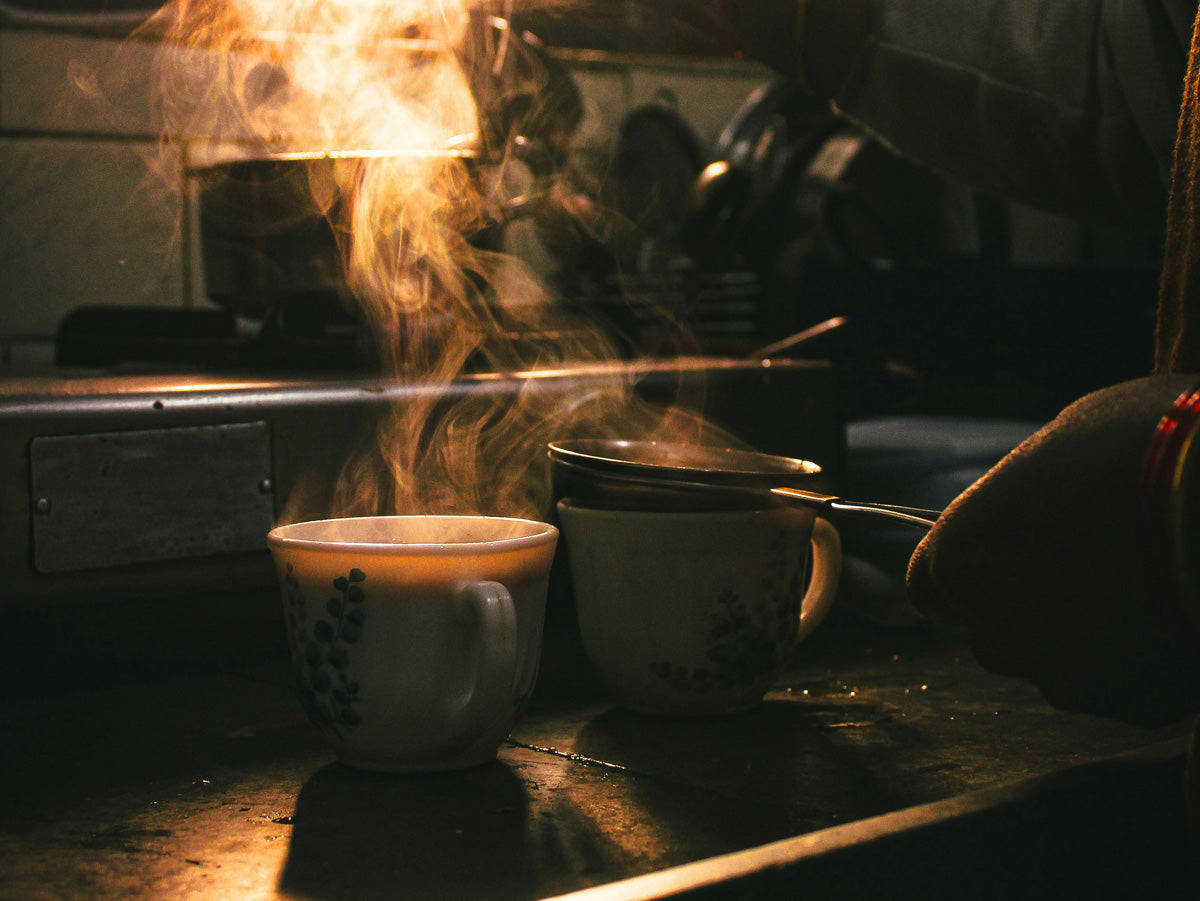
(211, 783)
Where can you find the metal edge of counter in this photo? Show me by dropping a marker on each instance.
(1050, 836)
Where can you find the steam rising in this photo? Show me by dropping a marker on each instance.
(383, 92)
(322, 73)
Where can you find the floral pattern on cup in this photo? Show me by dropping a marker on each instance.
(323, 670)
(746, 642)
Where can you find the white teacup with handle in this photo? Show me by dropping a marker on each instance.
(415, 639)
(690, 613)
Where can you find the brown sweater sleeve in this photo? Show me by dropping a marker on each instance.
(1178, 338)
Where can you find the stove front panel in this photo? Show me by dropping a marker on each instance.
(111, 499)
(116, 489)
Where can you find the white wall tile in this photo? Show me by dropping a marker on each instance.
(67, 83)
(82, 222)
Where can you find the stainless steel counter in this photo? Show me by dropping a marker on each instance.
(887, 752)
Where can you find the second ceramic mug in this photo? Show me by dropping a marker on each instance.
(415, 639)
(688, 613)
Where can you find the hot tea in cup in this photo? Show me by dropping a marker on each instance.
(695, 612)
(415, 639)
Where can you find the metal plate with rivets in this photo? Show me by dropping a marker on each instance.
(111, 499)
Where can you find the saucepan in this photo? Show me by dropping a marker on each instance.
(651, 475)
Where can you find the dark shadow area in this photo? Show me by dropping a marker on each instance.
(85, 646)
(1113, 830)
(359, 835)
(779, 763)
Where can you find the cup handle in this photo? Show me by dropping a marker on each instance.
(827, 572)
(488, 608)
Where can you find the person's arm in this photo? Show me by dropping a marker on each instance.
(1055, 565)
(1070, 107)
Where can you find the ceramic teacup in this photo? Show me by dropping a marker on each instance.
(687, 613)
(415, 639)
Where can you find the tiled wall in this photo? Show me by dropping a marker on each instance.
(81, 219)
(86, 216)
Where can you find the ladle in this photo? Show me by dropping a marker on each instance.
(651, 474)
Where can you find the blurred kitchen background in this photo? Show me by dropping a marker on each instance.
(952, 302)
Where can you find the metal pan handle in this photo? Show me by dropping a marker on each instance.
(913, 516)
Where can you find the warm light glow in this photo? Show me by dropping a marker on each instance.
(377, 98)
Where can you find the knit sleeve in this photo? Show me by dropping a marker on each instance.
(1178, 336)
